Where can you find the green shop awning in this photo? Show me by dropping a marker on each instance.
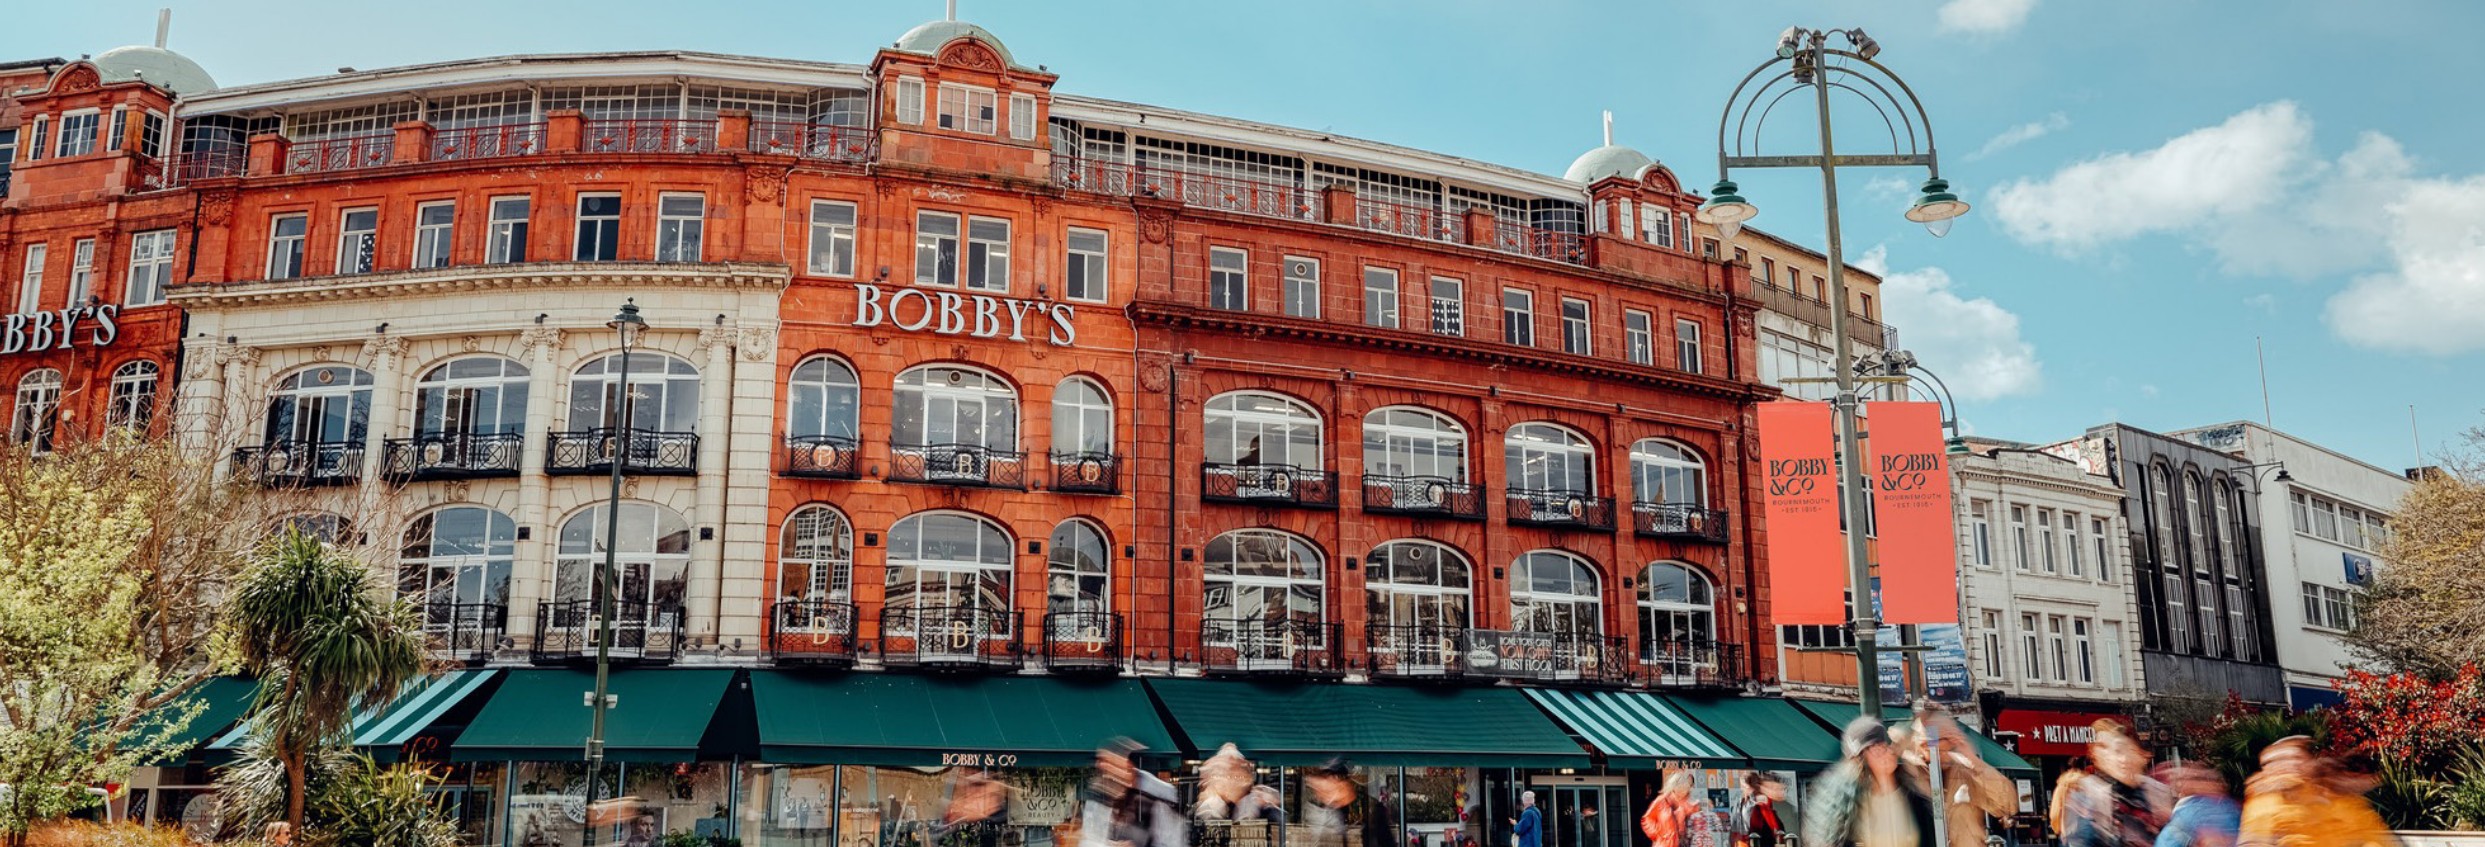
(1306, 724)
(1636, 730)
(393, 724)
(1772, 732)
(220, 701)
(1836, 716)
(541, 715)
(927, 721)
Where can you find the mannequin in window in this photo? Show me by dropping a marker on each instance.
(1251, 455)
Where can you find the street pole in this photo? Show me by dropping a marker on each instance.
(1848, 407)
(627, 324)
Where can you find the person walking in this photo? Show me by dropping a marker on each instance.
(2299, 800)
(1674, 819)
(1867, 799)
(2065, 786)
(1126, 806)
(1760, 822)
(1527, 830)
(1380, 818)
(2204, 815)
(2119, 805)
(1975, 791)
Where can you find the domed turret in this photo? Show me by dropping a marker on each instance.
(1608, 161)
(928, 38)
(159, 67)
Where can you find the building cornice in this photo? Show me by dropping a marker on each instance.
(481, 279)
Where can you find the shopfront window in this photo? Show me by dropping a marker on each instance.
(1556, 592)
(859, 806)
(649, 801)
(1262, 580)
(652, 559)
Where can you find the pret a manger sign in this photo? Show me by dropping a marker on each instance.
(979, 315)
(37, 332)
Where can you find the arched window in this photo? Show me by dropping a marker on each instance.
(38, 410)
(943, 563)
(1668, 474)
(1082, 421)
(472, 396)
(1415, 458)
(1265, 590)
(316, 420)
(1677, 619)
(651, 561)
(1247, 428)
(2195, 523)
(133, 396)
(2177, 615)
(815, 558)
(456, 562)
(1078, 578)
(2225, 522)
(948, 405)
(1551, 471)
(1417, 604)
(820, 402)
(1556, 592)
(327, 528)
(663, 394)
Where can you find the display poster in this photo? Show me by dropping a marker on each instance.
(1807, 583)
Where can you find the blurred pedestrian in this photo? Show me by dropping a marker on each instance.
(1380, 818)
(1126, 806)
(2065, 786)
(1527, 830)
(1867, 798)
(1223, 781)
(1759, 818)
(2299, 800)
(1974, 790)
(1327, 791)
(2119, 805)
(1262, 804)
(1675, 818)
(2204, 814)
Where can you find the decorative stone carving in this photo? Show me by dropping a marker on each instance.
(546, 338)
(717, 336)
(79, 77)
(764, 185)
(1043, 206)
(384, 348)
(216, 208)
(1154, 375)
(966, 53)
(237, 355)
(949, 195)
(757, 343)
(458, 491)
(199, 363)
(1155, 225)
(958, 351)
(470, 343)
(630, 487)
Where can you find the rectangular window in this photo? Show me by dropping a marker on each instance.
(2071, 545)
(1656, 226)
(1980, 530)
(2212, 629)
(2178, 615)
(936, 249)
(1085, 277)
(832, 238)
(505, 236)
(2045, 539)
(2031, 661)
(151, 135)
(2301, 508)
(1866, 300)
(150, 267)
(116, 130)
(8, 157)
(2053, 641)
(1229, 281)
(1687, 345)
(2351, 527)
(1575, 319)
(1626, 226)
(1768, 272)
(988, 255)
(1742, 257)
(909, 100)
(2247, 640)
(2085, 650)
(286, 236)
(681, 227)
(1300, 287)
(599, 228)
(1638, 337)
(82, 273)
(30, 283)
(1449, 306)
(77, 133)
(1380, 297)
(2316, 613)
(434, 234)
(2110, 653)
(2019, 538)
(1022, 117)
(1518, 317)
(1993, 644)
(2105, 554)
(1794, 280)
(1708, 248)
(2325, 519)
(40, 139)
(967, 108)
(1820, 290)
(358, 237)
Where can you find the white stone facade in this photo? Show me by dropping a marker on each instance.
(2044, 578)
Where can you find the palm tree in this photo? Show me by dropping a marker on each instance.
(322, 642)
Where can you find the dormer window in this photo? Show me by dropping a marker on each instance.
(77, 132)
(968, 108)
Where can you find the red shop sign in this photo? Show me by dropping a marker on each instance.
(2044, 733)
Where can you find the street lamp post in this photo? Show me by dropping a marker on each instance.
(1811, 62)
(629, 326)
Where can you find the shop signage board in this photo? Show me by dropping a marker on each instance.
(1498, 652)
(38, 332)
(1910, 473)
(2054, 733)
(954, 313)
(1807, 562)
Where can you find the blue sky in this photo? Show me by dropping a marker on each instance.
(2157, 183)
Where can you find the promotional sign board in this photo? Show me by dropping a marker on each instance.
(1494, 652)
(1807, 581)
(1910, 474)
(2046, 733)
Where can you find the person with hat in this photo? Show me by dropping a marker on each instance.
(1977, 791)
(1868, 799)
(1127, 806)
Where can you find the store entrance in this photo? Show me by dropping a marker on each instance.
(1584, 811)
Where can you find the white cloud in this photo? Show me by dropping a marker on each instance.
(2232, 168)
(1985, 17)
(2432, 299)
(1974, 344)
(2022, 134)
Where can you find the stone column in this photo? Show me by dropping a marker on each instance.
(532, 568)
(198, 409)
(750, 456)
(387, 387)
(715, 422)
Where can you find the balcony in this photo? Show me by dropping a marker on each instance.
(452, 456)
(1271, 647)
(1267, 485)
(649, 452)
(1086, 473)
(1679, 522)
(1548, 244)
(968, 465)
(1421, 652)
(1083, 642)
(814, 141)
(1410, 220)
(1692, 665)
(342, 153)
(643, 633)
(961, 638)
(821, 456)
(1422, 496)
(1860, 329)
(1560, 509)
(650, 135)
(297, 464)
(487, 142)
(818, 633)
(466, 633)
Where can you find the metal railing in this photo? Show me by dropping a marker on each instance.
(822, 456)
(342, 153)
(287, 463)
(972, 465)
(1422, 495)
(955, 637)
(487, 142)
(193, 165)
(1560, 509)
(1796, 305)
(643, 632)
(1679, 521)
(650, 135)
(464, 632)
(1591, 659)
(453, 455)
(1083, 642)
(646, 452)
(1547, 244)
(1268, 485)
(1245, 195)
(1272, 646)
(1410, 220)
(4, 183)
(813, 141)
(1086, 473)
(1691, 664)
(812, 632)
(1416, 651)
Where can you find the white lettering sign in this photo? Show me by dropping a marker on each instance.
(2059, 734)
(950, 313)
(40, 331)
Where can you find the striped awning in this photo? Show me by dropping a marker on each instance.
(389, 727)
(1636, 730)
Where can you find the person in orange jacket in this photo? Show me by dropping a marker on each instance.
(2297, 800)
(1674, 819)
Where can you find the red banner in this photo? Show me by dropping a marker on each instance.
(1807, 570)
(1913, 516)
(2043, 733)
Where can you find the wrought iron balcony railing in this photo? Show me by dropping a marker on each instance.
(643, 632)
(1679, 521)
(640, 451)
(1434, 496)
(1548, 244)
(814, 141)
(280, 464)
(342, 153)
(453, 455)
(1271, 647)
(487, 142)
(1560, 509)
(812, 632)
(1416, 651)
(971, 465)
(1556, 657)
(650, 135)
(1083, 642)
(464, 632)
(1412, 220)
(1691, 664)
(1268, 485)
(1086, 473)
(950, 637)
(822, 456)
